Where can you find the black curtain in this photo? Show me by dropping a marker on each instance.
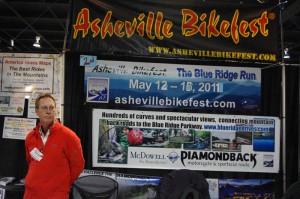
(292, 124)
(12, 153)
(78, 114)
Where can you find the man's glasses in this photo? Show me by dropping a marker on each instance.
(47, 108)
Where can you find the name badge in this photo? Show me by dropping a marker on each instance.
(36, 154)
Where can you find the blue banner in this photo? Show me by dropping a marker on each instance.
(161, 85)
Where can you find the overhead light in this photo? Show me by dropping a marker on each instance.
(286, 53)
(37, 42)
(262, 1)
(12, 43)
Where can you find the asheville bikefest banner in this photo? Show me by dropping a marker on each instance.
(197, 29)
(174, 140)
(161, 85)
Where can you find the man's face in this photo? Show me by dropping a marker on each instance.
(46, 110)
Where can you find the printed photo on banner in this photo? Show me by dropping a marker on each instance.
(224, 141)
(202, 141)
(97, 90)
(243, 188)
(4, 101)
(12, 103)
(264, 141)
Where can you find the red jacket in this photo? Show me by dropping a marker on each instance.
(62, 162)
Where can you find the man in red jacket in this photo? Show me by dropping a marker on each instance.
(54, 154)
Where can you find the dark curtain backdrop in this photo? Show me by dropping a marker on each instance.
(78, 116)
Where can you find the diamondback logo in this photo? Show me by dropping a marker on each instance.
(219, 156)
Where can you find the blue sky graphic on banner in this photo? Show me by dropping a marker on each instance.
(161, 85)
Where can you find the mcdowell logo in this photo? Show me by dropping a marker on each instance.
(144, 155)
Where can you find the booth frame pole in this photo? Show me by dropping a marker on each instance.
(283, 129)
(283, 111)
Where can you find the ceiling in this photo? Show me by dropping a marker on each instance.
(23, 20)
